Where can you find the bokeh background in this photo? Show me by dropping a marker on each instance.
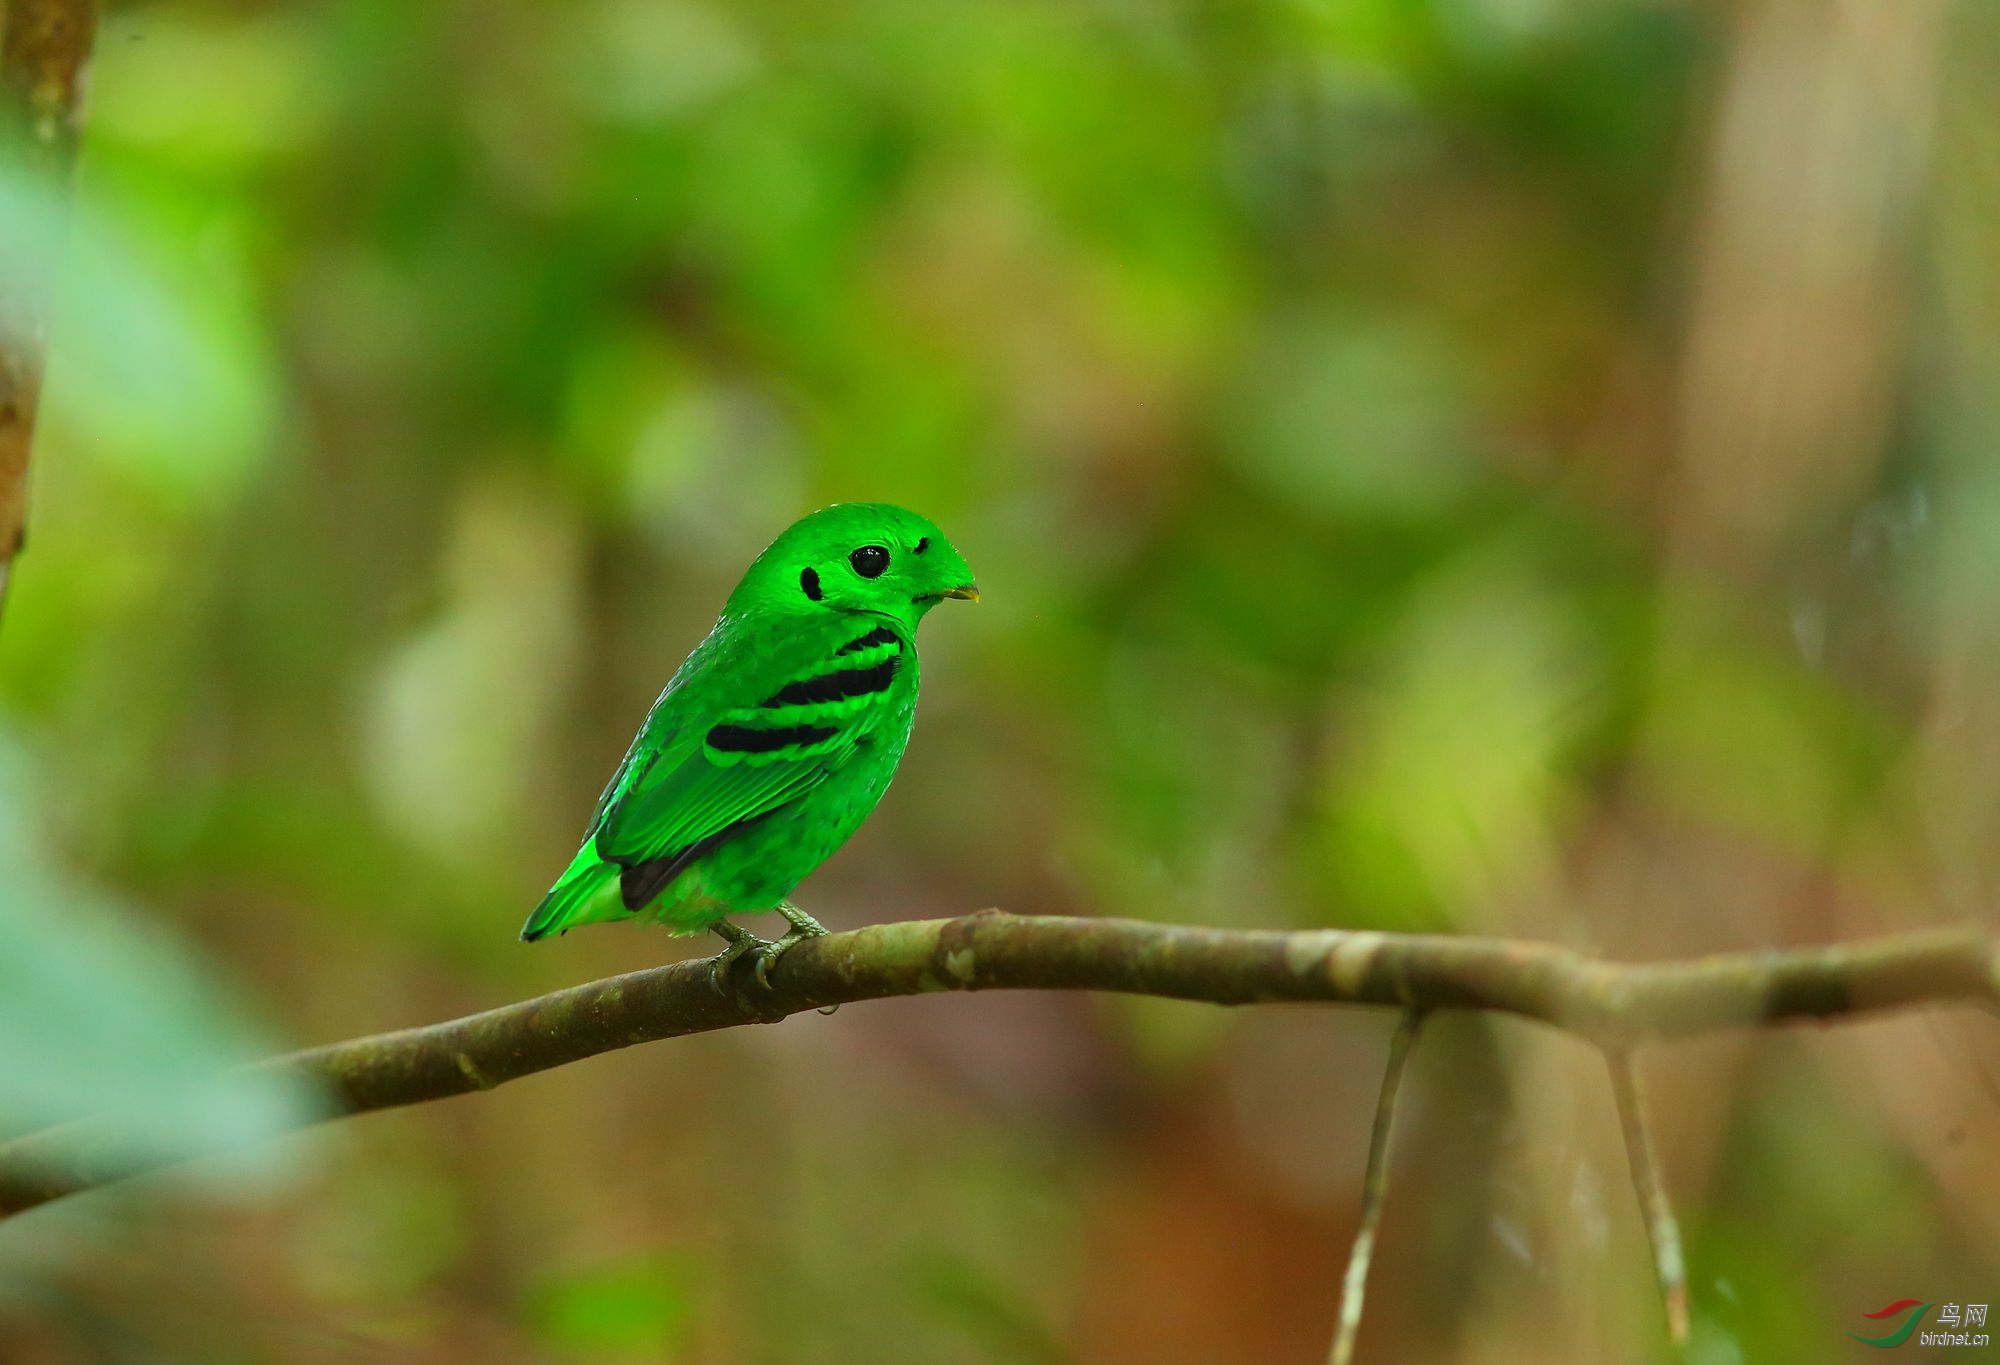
(1503, 466)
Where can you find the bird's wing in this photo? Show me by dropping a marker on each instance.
(756, 733)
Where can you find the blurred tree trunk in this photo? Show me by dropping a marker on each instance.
(42, 54)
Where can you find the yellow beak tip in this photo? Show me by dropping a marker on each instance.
(967, 593)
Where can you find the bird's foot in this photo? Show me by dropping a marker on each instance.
(740, 942)
(804, 926)
(762, 952)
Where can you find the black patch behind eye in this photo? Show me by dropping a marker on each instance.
(923, 543)
(809, 580)
(741, 739)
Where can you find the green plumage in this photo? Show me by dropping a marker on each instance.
(776, 737)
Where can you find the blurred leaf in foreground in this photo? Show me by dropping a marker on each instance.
(100, 1015)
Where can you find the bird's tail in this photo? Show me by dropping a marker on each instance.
(585, 893)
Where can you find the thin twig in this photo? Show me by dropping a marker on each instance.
(1374, 1186)
(42, 57)
(1662, 1230)
(1606, 1003)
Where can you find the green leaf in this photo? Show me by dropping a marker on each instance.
(100, 1013)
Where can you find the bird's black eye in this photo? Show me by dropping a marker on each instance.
(869, 561)
(923, 543)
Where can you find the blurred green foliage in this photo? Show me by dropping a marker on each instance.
(1418, 482)
(638, 1309)
(101, 1013)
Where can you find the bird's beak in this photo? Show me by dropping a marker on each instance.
(968, 593)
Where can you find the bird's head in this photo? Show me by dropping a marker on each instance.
(858, 557)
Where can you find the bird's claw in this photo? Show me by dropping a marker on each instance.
(762, 952)
(739, 942)
(804, 926)
(719, 965)
(764, 956)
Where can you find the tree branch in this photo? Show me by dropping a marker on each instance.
(1609, 1004)
(42, 56)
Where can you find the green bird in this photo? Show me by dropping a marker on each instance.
(773, 741)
